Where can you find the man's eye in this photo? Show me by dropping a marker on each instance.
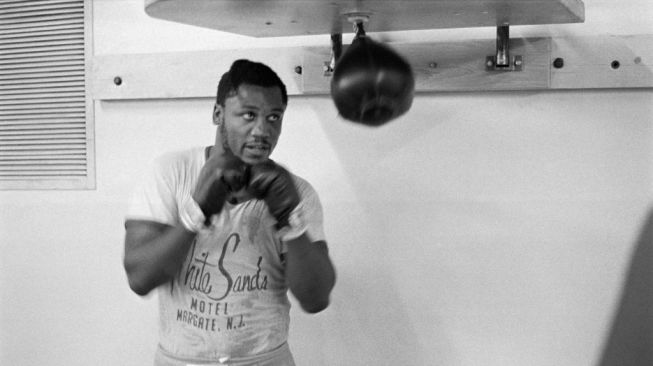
(249, 116)
(274, 118)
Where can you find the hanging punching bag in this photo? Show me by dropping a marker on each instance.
(371, 83)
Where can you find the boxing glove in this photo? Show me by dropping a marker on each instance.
(274, 185)
(220, 175)
(234, 177)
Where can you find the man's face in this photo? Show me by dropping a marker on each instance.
(250, 122)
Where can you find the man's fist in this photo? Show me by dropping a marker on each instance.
(274, 185)
(220, 175)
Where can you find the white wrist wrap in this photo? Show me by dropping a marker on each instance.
(191, 215)
(297, 225)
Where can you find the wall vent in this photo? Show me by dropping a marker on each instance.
(46, 115)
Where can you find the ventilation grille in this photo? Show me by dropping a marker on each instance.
(44, 135)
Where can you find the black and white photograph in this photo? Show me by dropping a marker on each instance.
(326, 182)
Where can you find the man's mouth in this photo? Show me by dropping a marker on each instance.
(257, 149)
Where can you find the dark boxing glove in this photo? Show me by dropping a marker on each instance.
(274, 185)
(234, 178)
(219, 177)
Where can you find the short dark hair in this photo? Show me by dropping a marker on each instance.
(248, 72)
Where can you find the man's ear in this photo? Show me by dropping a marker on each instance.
(218, 114)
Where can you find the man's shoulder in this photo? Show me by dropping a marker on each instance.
(178, 158)
(303, 186)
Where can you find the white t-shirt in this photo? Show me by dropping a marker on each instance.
(229, 298)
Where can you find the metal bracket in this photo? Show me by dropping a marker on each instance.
(336, 51)
(502, 60)
(357, 19)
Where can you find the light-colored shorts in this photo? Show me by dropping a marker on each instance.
(280, 356)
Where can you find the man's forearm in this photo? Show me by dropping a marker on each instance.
(152, 258)
(310, 273)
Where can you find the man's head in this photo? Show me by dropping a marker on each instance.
(248, 72)
(249, 110)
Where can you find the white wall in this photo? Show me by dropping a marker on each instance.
(480, 228)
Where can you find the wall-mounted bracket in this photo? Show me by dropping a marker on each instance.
(336, 51)
(357, 19)
(502, 61)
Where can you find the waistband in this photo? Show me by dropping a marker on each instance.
(278, 356)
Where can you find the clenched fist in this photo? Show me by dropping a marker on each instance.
(274, 185)
(221, 174)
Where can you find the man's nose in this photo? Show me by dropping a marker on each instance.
(261, 128)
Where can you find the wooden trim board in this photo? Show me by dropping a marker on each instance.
(438, 67)
(603, 62)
